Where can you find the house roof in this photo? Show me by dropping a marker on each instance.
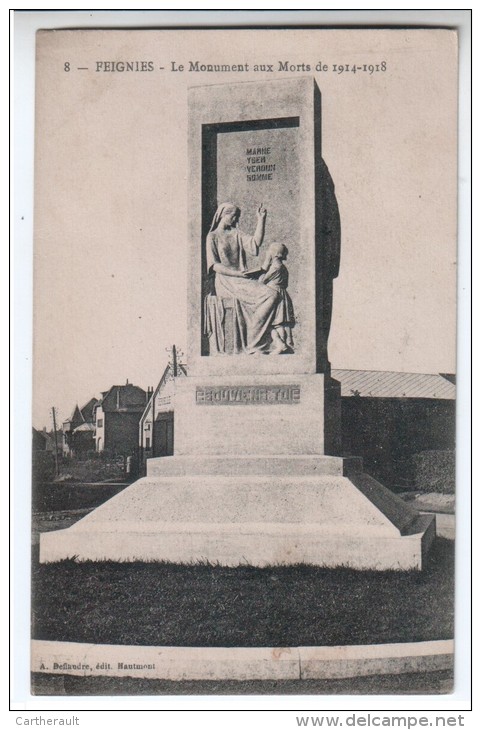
(181, 371)
(87, 410)
(124, 397)
(80, 415)
(84, 427)
(380, 384)
(76, 417)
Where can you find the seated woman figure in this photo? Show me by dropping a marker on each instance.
(255, 304)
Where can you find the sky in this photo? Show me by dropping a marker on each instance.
(110, 259)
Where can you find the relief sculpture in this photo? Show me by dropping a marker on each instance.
(255, 300)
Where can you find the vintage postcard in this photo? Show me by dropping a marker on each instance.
(244, 377)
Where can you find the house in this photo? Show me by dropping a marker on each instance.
(39, 440)
(79, 430)
(83, 440)
(53, 442)
(43, 461)
(117, 416)
(156, 428)
(391, 419)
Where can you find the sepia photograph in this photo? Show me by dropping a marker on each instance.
(244, 361)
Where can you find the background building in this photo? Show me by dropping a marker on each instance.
(117, 416)
(156, 428)
(79, 430)
(402, 425)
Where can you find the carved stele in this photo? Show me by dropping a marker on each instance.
(260, 143)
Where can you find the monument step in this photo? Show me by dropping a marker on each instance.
(303, 465)
(247, 544)
(321, 499)
(322, 519)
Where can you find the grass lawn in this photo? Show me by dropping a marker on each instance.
(203, 605)
(62, 496)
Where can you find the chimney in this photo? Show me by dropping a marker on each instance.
(118, 397)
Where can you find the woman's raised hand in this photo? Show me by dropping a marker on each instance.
(261, 211)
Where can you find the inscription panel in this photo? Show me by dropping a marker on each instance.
(259, 165)
(219, 395)
(262, 166)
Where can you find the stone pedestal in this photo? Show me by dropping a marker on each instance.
(261, 510)
(251, 483)
(257, 415)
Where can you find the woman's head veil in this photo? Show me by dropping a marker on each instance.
(220, 212)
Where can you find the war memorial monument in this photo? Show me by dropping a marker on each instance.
(257, 475)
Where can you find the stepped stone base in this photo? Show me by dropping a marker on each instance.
(320, 510)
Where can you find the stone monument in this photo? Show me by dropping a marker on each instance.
(257, 476)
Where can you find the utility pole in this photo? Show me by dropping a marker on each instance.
(174, 360)
(176, 356)
(55, 435)
(153, 423)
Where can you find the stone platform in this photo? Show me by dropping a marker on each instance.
(320, 510)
